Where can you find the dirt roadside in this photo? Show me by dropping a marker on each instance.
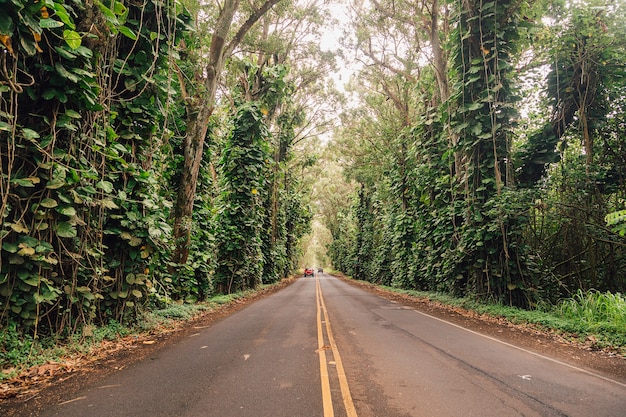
(45, 384)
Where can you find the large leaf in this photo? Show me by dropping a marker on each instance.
(62, 14)
(65, 229)
(67, 211)
(6, 24)
(50, 23)
(63, 72)
(72, 38)
(49, 203)
(105, 186)
(127, 32)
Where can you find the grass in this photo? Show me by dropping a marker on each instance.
(587, 316)
(19, 351)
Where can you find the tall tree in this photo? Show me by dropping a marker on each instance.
(200, 105)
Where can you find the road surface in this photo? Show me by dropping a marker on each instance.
(322, 348)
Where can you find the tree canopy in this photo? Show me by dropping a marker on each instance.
(157, 151)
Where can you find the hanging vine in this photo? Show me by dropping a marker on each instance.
(81, 88)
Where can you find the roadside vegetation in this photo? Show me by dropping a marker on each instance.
(128, 184)
(19, 351)
(592, 318)
(486, 159)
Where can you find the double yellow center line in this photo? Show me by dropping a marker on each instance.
(322, 348)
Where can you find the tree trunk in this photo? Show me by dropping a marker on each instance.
(199, 110)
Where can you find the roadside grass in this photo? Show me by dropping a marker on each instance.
(20, 352)
(590, 317)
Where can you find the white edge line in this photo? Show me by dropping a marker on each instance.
(526, 350)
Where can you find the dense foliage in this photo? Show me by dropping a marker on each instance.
(489, 168)
(96, 100)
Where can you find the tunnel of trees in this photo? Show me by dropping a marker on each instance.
(163, 150)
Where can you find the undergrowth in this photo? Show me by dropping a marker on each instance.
(20, 351)
(587, 316)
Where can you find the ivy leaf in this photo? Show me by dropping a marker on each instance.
(108, 14)
(72, 38)
(65, 53)
(49, 203)
(63, 72)
(105, 186)
(84, 52)
(25, 250)
(109, 203)
(49, 94)
(16, 260)
(10, 247)
(62, 13)
(30, 134)
(6, 24)
(55, 183)
(67, 211)
(50, 23)
(127, 32)
(32, 281)
(73, 114)
(65, 229)
(41, 226)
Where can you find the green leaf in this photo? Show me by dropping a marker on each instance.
(65, 53)
(55, 183)
(63, 72)
(84, 52)
(49, 94)
(50, 23)
(119, 8)
(62, 14)
(127, 32)
(23, 182)
(49, 203)
(16, 260)
(30, 134)
(67, 211)
(73, 114)
(108, 14)
(32, 281)
(41, 226)
(25, 250)
(65, 229)
(109, 203)
(10, 247)
(72, 38)
(6, 24)
(105, 186)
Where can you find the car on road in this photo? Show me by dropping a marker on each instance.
(308, 272)
(320, 270)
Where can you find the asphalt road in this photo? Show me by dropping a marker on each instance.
(322, 348)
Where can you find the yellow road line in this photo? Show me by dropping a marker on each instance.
(327, 400)
(343, 380)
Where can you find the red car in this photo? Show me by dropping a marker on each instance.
(308, 272)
